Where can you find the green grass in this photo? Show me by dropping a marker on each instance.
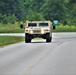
(11, 28)
(6, 40)
(65, 28)
(15, 28)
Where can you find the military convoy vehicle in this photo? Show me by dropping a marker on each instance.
(41, 29)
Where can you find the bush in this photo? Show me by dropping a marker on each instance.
(9, 19)
(34, 16)
(64, 22)
(66, 28)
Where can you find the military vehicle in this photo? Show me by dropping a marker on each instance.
(41, 29)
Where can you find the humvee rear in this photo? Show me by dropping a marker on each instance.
(41, 29)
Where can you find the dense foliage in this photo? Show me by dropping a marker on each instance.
(21, 10)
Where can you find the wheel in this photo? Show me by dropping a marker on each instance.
(48, 38)
(27, 38)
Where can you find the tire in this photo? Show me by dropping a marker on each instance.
(27, 38)
(48, 38)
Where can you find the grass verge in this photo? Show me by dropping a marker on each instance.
(66, 28)
(15, 28)
(6, 40)
(11, 28)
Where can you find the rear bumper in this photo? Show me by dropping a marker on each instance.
(37, 35)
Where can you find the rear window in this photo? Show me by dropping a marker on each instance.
(32, 24)
(43, 24)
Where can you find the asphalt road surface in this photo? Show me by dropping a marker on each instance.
(39, 57)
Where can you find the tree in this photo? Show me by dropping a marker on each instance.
(34, 16)
(62, 10)
(53, 9)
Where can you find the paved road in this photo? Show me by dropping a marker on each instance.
(12, 34)
(39, 57)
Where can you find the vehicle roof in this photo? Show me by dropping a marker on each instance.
(38, 21)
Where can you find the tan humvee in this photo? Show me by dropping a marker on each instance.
(40, 29)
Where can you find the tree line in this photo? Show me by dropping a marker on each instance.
(21, 10)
